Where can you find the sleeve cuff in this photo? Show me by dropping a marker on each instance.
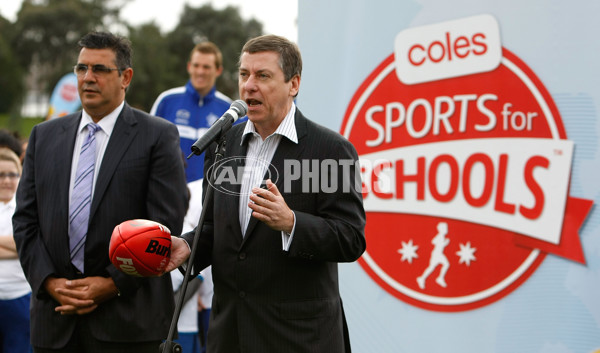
(286, 238)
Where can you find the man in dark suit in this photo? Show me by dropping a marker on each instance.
(274, 250)
(80, 301)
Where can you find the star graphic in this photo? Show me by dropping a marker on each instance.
(466, 253)
(408, 251)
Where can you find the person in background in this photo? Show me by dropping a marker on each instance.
(203, 305)
(194, 108)
(205, 295)
(275, 251)
(15, 292)
(12, 141)
(84, 174)
(188, 324)
(197, 105)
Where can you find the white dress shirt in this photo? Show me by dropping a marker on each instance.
(258, 157)
(107, 125)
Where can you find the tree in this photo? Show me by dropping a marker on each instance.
(11, 73)
(225, 28)
(153, 66)
(45, 35)
(47, 32)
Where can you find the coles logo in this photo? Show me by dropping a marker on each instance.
(68, 92)
(465, 165)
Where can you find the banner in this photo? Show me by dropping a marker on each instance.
(65, 98)
(477, 149)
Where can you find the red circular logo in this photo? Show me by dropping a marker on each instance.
(68, 92)
(444, 178)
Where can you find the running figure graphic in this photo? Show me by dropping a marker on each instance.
(437, 257)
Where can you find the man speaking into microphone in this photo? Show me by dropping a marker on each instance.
(274, 249)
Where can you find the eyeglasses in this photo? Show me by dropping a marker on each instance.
(9, 175)
(81, 69)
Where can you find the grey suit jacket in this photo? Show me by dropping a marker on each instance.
(141, 176)
(269, 300)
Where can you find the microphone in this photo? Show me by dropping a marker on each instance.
(238, 109)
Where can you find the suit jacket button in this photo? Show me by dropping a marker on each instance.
(242, 256)
(242, 294)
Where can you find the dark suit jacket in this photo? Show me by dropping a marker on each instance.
(141, 176)
(269, 300)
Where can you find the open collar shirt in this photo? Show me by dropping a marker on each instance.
(258, 157)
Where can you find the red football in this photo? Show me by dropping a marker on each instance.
(140, 247)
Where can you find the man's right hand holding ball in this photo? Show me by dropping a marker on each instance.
(180, 252)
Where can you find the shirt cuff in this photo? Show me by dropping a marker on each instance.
(286, 238)
(183, 267)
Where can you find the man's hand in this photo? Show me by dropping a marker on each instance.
(270, 208)
(180, 251)
(80, 296)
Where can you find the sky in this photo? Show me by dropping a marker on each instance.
(277, 16)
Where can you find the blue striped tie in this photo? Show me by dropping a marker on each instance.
(81, 197)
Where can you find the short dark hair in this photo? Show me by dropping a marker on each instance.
(8, 139)
(121, 46)
(290, 59)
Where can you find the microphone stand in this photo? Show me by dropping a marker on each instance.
(169, 346)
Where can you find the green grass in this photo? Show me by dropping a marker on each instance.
(21, 125)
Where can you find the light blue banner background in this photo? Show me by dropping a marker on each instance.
(59, 106)
(557, 310)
